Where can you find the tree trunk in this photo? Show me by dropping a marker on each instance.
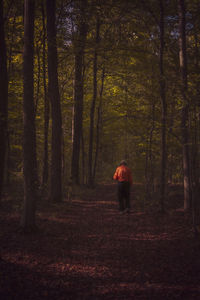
(29, 138)
(46, 106)
(79, 45)
(99, 119)
(149, 168)
(195, 147)
(92, 110)
(9, 68)
(54, 96)
(37, 93)
(185, 108)
(3, 99)
(83, 158)
(163, 108)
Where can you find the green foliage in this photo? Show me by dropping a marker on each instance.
(128, 50)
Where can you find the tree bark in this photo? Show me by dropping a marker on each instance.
(45, 172)
(79, 45)
(99, 119)
(83, 158)
(54, 96)
(29, 138)
(185, 108)
(92, 109)
(3, 99)
(9, 71)
(195, 147)
(149, 167)
(37, 93)
(163, 109)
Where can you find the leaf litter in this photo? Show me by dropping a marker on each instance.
(85, 249)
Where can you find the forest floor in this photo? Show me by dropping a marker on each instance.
(85, 249)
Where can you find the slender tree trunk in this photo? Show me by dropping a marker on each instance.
(185, 108)
(45, 172)
(195, 147)
(99, 118)
(151, 156)
(146, 174)
(163, 106)
(195, 156)
(149, 173)
(83, 157)
(3, 99)
(37, 94)
(54, 96)
(79, 45)
(126, 150)
(9, 59)
(194, 170)
(92, 110)
(29, 138)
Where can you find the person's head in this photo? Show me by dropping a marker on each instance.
(123, 162)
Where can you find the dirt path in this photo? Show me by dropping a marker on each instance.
(87, 250)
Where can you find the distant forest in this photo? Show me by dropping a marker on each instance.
(87, 83)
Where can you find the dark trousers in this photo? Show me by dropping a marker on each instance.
(124, 195)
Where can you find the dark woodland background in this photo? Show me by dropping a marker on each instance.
(83, 85)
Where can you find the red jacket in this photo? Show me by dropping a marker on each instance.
(123, 173)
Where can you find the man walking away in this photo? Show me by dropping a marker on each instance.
(124, 177)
